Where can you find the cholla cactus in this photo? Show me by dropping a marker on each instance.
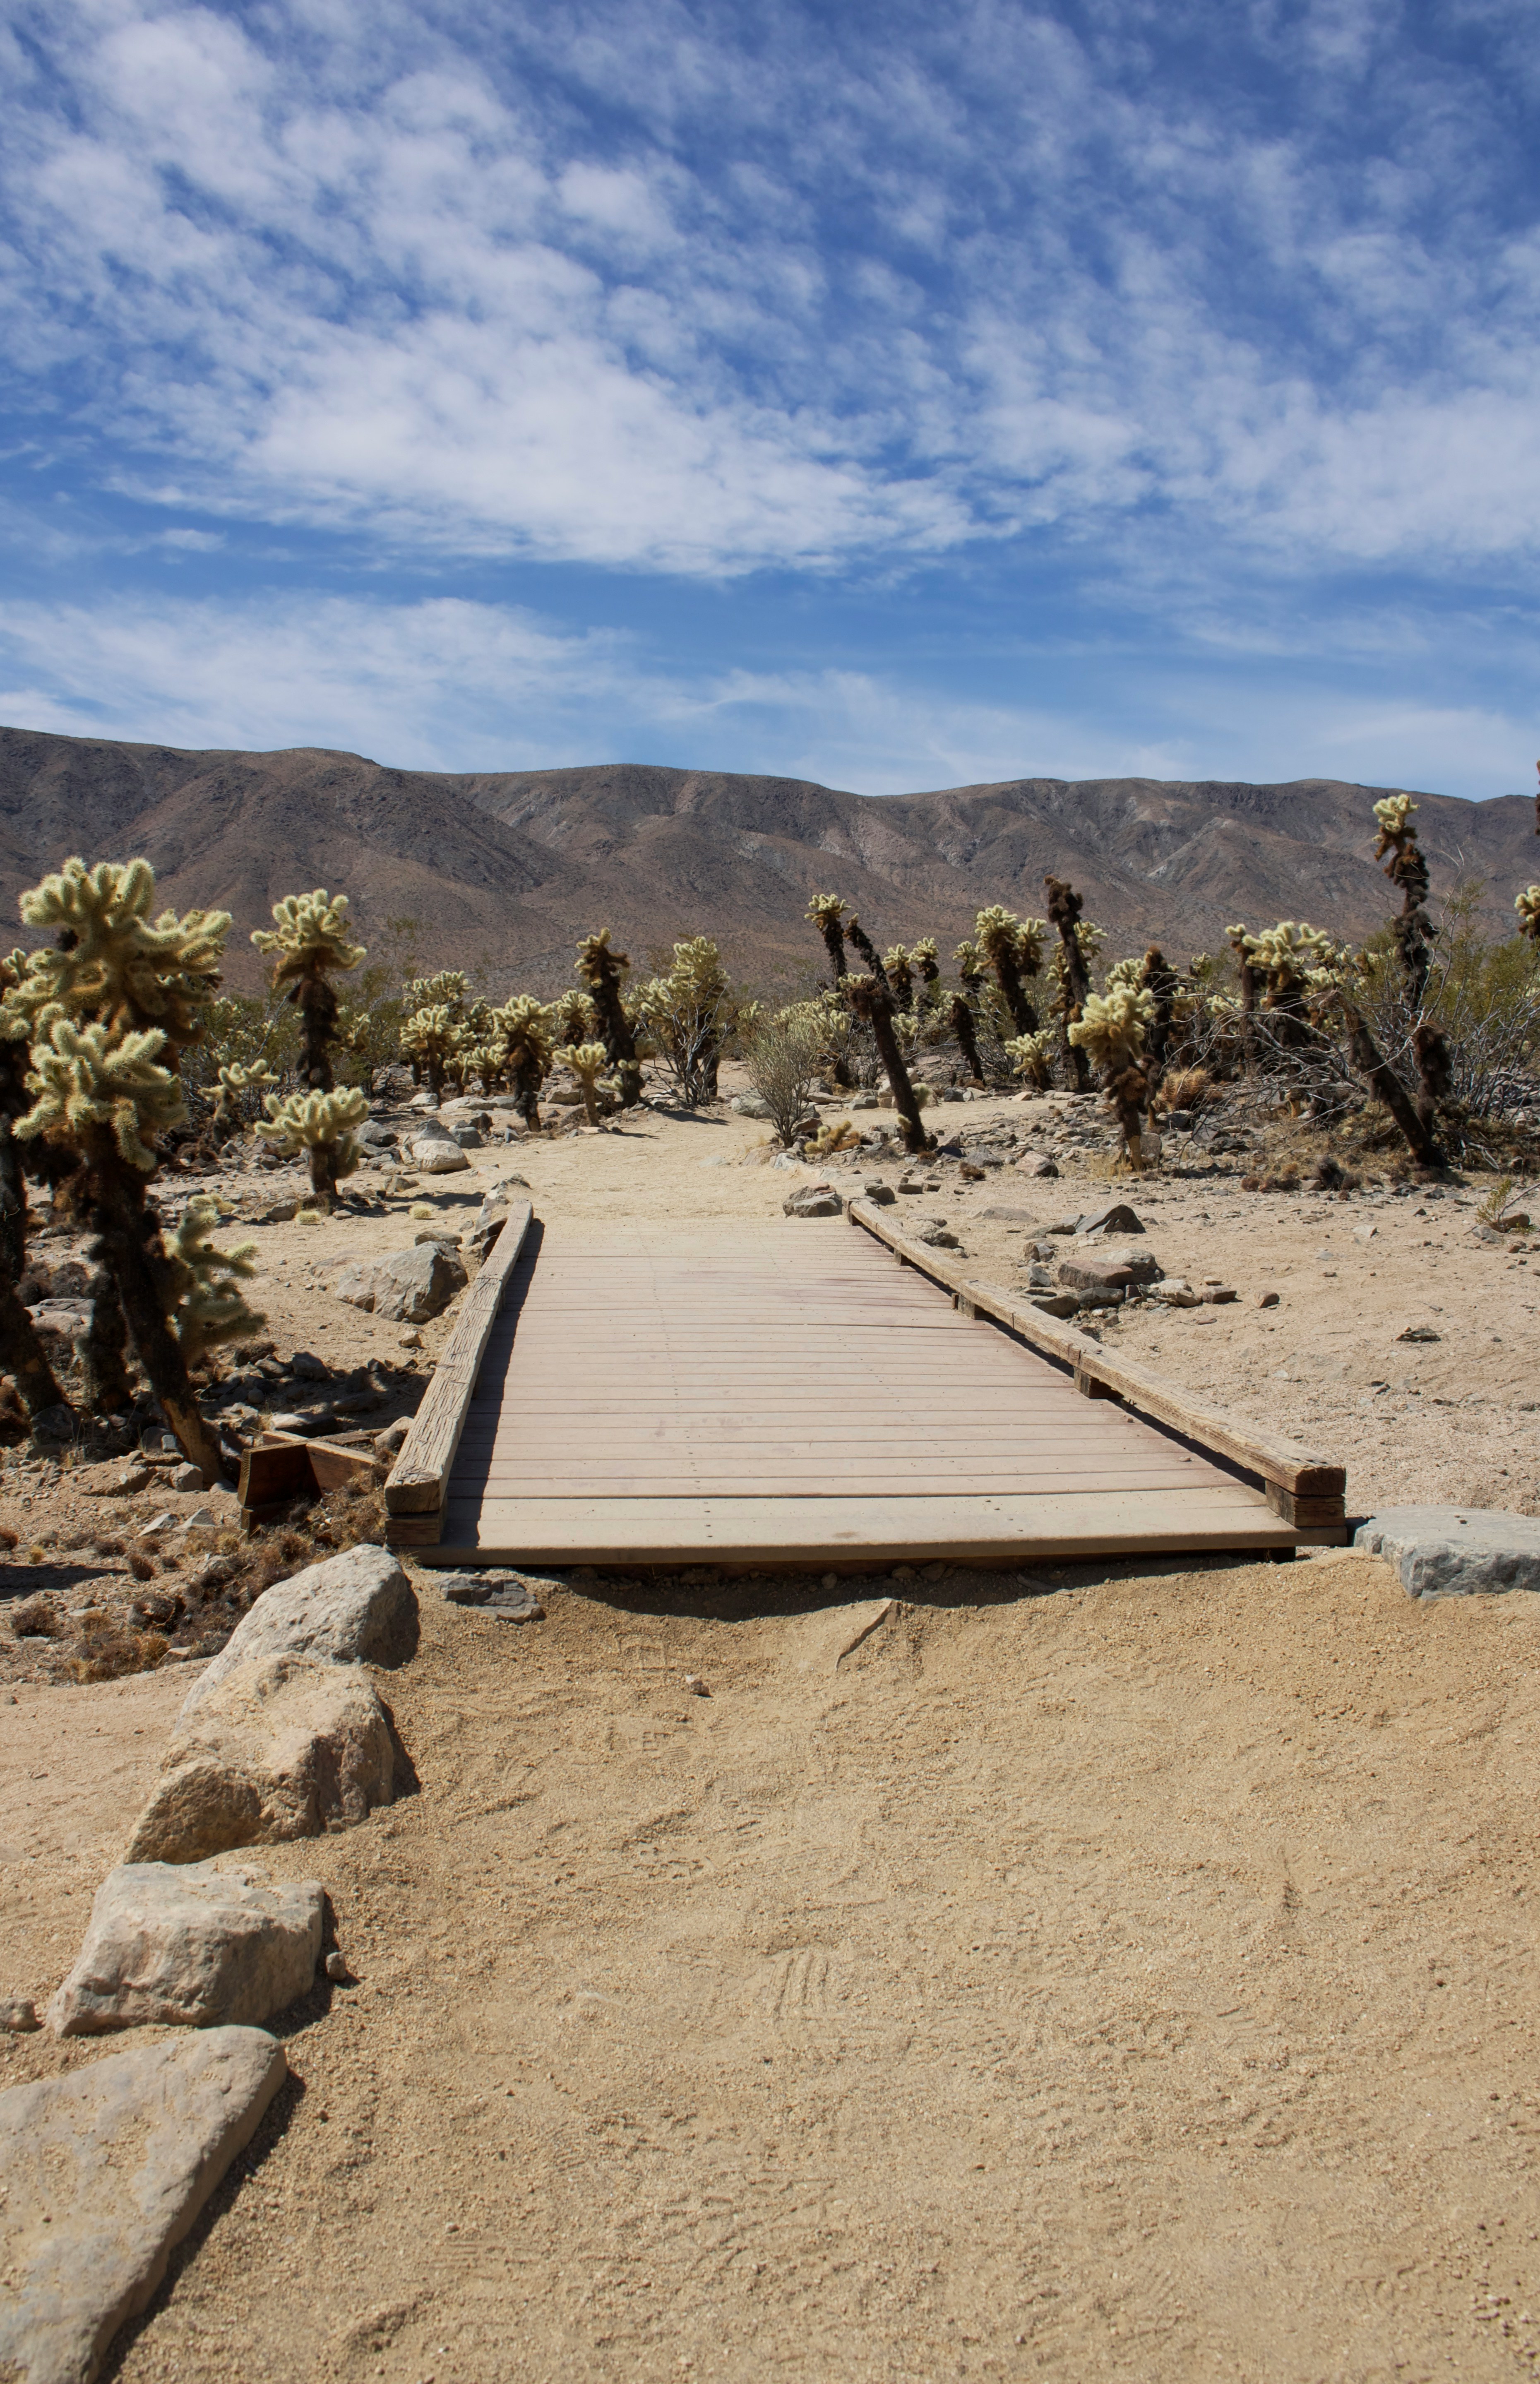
(1408, 870)
(109, 1010)
(310, 943)
(690, 1012)
(525, 1026)
(825, 911)
(447, 988)
(1073, 970)
(1031, 1057)
(871, 1000)
(1527, 904)
(587, 1062)
(429, 1036)
(210, 1305)
(235, 1081)
(1112, 1028)
(1013, 949)
(111, 961)
(895, 967)
(320, 1123)
(601, 970)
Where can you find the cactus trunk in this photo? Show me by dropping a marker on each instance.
(1372, 1063)
(127, 1230)
(967, 1037)
(23, 1355)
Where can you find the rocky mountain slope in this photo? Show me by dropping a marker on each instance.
(510, 868)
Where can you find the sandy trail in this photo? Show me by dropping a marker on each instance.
(1137, 1979)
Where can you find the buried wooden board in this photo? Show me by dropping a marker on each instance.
(683, 1408)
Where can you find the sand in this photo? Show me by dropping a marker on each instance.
(1136, 1979)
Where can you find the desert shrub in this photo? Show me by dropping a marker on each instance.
(783, 1055)
(140, 1565)
(690, 1010)
(35, 1617)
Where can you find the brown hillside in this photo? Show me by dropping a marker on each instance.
(511, 866)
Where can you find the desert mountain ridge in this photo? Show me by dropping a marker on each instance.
(509, 868)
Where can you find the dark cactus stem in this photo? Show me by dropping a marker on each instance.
(527, 1092)
(323, 1171)
(967, 1037)
(874, 1002)
(1064, 906)
(130, 1239)
(1162, 983)
(834, 944)
(870, 954)
(901, 977)
(602, 971)
(317, 1004)
(1372, 1063)
(1434, 1068)
(1127, 1093)
(22, 1353)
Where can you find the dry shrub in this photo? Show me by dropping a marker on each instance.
(38, 1554)
(1186, 1089)
(104, 1545)
(143, 1567)
(36, 1617)
(8, 1537)
(110, 1648)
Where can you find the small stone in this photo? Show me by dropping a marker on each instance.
(812, 1200)
(102, 2170)
(1418, 1333)
(166, 1521)
(1037, 1163)
(1365, 1233)
(391, 1442)
(1056, 1303)
(1108, 1269)
(1267, 1299)
(696, 1686)
(18, 2012)
(185, 1477)
(1219, 1295)
(881, 1195)
(413, 1340)
(830, 1580)
(336, 1968)
(112, 1479)
(202, 1519)
(306, 1367)
(189, 1945)
(1116, 1218)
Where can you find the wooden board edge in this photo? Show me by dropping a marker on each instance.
(1301, 1472)
(415, 1482)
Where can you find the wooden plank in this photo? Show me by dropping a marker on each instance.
(274, 1470)
(1024, 1530)
(417, 1479)
(1302, 1471)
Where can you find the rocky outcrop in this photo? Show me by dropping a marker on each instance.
(357, 1607)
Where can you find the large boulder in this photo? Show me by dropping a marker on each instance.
(1455, 1551)
(286, 1747)
(409, 1286)
(102, 2171)
(357, 1607)
(1108, 1269)
(188, 1945)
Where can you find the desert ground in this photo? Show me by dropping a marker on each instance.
(1099, 1970)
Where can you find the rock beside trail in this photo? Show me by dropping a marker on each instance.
(408, 1286)
(494, 1590)
(1108, 1269)
(285, 1747)
(1037, 1163)
(435, 1152)
(1456, 1551)
(812, 1200)
(188, 1945)
(102, 2172)
(752, 1105)
(357, 1607)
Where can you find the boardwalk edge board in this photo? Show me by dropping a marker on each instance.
(416, 1486)
(1302, 1486)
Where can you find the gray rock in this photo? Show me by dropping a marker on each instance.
(357, 1284)
(410, 1285)
(882, 1195)
(935, 1233)
(1174, 1291)
(812, 1200)
(1416, 1332)
(185, 1477)
(1037, 1163)
(751, 1105)
(18, 2013)
(188, 1945)
(467, 1136)
(357, 1607)
(374, 1134)
(1456, 1551)
(284, 1747)
(494, 1591)
(436, 1154)
(867, 1100)
(1108, 1269)
(1117, 1217)
(1057, 1303)
(102, 2171)
(306, 1367)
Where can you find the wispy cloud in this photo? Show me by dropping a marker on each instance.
(687, 290)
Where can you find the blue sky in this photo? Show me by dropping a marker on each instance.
(893, 395)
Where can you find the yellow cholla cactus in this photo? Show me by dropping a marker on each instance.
(312, 932)
(587, 1062)
(234, 1080)
(316, 1122)
(116, 964)
(94, 1081)
(1113, 1025)
(1031, 1056)
(1527, 904)
(1393, 815)
(210, 1306)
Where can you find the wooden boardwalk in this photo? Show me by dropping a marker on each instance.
(782, 1395)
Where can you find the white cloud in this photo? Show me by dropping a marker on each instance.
(627, 286)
